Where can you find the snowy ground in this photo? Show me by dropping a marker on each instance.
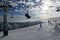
(33, 33)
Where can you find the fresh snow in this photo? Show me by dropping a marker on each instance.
(47, 32)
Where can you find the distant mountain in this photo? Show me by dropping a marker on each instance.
(21, 19)
(55, 18)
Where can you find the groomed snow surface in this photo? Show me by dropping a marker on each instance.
(47, 32)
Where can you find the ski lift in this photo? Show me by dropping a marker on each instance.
(28, 16)
(58, 9)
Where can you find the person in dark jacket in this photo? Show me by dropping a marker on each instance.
(40, 26)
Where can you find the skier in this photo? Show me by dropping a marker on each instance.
(55, 21)
(49, 22)
(40, 26)
(56, 26)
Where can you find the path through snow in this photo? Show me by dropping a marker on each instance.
(31, 33)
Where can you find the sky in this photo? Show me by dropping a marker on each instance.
(37, 8)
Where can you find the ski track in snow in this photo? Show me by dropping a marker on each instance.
(31, 33)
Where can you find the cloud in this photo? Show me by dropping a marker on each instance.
(37, 0)
(29, 0)
(30, 3)
(48, 8)
(19, 2)
(47, 5)
(19, 10)
(13, 3)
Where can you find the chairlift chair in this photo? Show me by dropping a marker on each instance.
(28, 16)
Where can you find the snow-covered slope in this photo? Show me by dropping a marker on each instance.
(33, 33)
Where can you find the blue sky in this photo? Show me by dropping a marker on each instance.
(19, 7)
(37, 8)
